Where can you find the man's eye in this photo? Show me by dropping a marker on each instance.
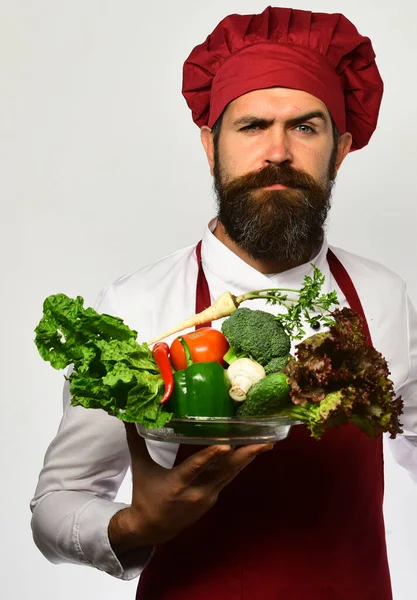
(252, 127)
(305, 128)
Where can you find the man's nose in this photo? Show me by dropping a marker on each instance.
(278, 149)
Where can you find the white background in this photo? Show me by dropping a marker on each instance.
(102, 172)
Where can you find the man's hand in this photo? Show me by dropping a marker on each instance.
(166, 501)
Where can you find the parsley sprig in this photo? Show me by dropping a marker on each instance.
(307, 303)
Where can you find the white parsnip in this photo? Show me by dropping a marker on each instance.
(307, 299)
(222, 307)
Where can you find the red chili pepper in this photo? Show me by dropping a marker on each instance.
(160, 353)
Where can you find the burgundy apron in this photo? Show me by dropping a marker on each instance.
(301, 522)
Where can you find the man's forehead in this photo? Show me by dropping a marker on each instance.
(277, 103)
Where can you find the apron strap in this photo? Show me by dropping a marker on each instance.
(202, 297)
(345, 283)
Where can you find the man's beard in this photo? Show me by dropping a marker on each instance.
(276, 225)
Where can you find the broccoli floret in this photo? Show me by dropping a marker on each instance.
(276, 364)
(257, 333)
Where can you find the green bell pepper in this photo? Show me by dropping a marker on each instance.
(201, 390)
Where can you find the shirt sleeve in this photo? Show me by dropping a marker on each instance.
(74, 500)
(404, 447)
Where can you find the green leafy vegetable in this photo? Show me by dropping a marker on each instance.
(112, 370)
(307, 303)
(277, 364)
(255, 333)
(338, 377)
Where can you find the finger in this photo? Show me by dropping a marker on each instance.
(231, 466)
(196, 464)
(241, 454)
(227, 467)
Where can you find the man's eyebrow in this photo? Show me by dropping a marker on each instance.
(315, 114)
(261, 121)
(253, 120)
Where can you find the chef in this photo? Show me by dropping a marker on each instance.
(280, 98)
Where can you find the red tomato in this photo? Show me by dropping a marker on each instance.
(206, 345)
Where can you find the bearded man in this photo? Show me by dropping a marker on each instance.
(280, 98)
(273, 195)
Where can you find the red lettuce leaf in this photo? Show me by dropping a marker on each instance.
(338, 376)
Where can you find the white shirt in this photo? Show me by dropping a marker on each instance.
(88, 459)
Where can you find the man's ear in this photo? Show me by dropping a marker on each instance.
(343, 147)
(206, 135)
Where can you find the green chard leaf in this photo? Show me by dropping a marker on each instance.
(141, 398)
(111, 370)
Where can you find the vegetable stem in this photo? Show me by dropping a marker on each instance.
(188, 357)
(263, 294)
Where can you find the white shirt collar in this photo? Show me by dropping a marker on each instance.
(224, 264)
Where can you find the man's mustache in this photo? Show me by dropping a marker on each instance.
(271, 175)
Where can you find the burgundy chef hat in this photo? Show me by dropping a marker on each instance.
(322, 54)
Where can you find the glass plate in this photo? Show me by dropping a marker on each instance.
(221, 430)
